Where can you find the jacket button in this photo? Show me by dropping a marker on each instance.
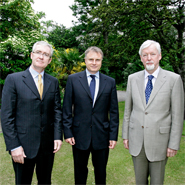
(91, 126)
(142, 126)
(146, 113)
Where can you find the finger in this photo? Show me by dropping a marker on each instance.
(73, 141)
(24, 155)
(55, 145)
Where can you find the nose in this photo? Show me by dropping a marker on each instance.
(94, 61)
(41, 56)
(149, 57)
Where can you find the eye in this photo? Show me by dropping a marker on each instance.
(46, 54)
(38, 52)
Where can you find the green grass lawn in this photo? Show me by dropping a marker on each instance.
(120, 169)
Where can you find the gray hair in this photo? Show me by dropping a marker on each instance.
(147, 43)
(43, 43)
(94, 49)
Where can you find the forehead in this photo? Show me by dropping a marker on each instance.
(44, 49)
(93, 54)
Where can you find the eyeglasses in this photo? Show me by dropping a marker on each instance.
(43, 54)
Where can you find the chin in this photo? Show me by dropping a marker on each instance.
(150, 67)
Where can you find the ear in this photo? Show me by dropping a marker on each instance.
(31, 55)
(160, 57)
(141, 58)
(49, 60)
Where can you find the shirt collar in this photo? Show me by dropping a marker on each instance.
(155, 73)
(88, 73)
(35, 73)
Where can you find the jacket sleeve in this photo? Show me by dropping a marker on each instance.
(8, 112)
(58, 135)
(114, 114)
(177, 113)
(127, 112)
(67, 110)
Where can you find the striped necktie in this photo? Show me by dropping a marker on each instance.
(40, 86)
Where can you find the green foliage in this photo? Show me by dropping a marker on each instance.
(19, 30)
(67, 61)
(60, 36)
(120, 27)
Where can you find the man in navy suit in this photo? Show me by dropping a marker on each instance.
(90, 117)
(31, 121)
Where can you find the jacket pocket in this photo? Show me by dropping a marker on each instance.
(76, 124)
(106, 125)
(165, 130)
(21, 129)
(131, 125)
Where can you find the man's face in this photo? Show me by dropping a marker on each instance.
(40, 58)
(93, 62)
(150, 58)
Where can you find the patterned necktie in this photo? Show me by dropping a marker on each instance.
(92, 86)
(149, 88)
(40, 86)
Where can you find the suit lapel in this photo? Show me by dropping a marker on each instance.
(141, 87)
(84, 83)
(47, 83)
(161, 79)
(102, 84)
(28, 80)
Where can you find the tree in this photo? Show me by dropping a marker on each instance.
(60, 36)
(20, 28)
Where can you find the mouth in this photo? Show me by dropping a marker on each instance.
(149, 63)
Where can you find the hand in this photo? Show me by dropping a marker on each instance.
(18, 155)
(57, 145)
(126, 143)
(112, 144)
(171, 152)
(71, 141)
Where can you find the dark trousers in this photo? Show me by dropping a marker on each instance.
(44, 164)
(99, 160)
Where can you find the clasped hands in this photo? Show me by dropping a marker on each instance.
(71, 141)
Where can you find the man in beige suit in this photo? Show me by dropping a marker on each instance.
(153, 118)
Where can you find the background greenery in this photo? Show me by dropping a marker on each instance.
(120, 169)
(117, 27)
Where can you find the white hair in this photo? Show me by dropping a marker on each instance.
(147, 43)
(43, 43)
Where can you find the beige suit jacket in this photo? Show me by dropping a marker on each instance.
(158, 125)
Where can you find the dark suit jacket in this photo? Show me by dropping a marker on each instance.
(86, 123)
(26, 120)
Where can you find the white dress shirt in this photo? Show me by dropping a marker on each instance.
(97, 79)
(155, 74)
(35, 76)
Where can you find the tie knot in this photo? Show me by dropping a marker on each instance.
(150, 77)
(92, 76)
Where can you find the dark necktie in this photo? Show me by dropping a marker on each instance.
(149, 88)
(92, 86)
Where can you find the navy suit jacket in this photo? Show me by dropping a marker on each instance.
(88, 124)
(27, 120)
